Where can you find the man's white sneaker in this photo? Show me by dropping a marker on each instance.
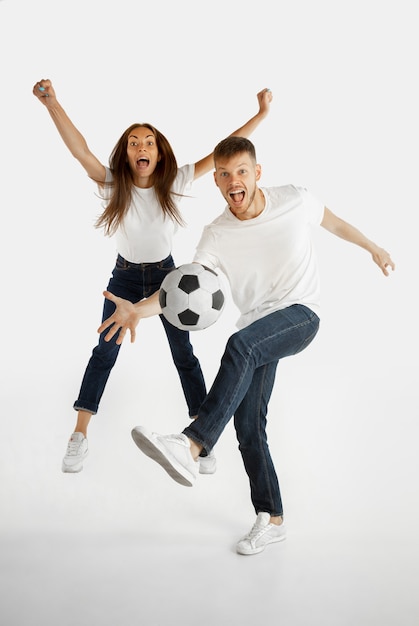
(172, 452)
(262, 533)
(207, 464)
(77, 450)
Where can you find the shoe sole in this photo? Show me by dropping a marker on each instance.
(73, 469)
(204, 470)
(260, 548)
(162, 456)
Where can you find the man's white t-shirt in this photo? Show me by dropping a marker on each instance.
(269, 260)
(146, 234)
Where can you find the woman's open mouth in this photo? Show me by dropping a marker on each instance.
(143, 163)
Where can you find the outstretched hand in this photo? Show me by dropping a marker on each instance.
(383, 260)
(125, 317)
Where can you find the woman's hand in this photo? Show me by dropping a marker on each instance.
(44, 91)
(125, 317)
(264, 98)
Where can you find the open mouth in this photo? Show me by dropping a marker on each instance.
(143, 163)
(237, 196)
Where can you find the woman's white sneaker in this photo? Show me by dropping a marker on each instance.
(207, 464)
(77, 450)
(262, 533)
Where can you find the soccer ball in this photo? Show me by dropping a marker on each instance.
(191, 297)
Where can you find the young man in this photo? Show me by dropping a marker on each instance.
(262, 243)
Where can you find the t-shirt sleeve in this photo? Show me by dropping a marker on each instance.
(108, 175)
(104, 191)
(184, 178)
(205, 252)
(315, 208)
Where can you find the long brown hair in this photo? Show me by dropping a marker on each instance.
(162, 179)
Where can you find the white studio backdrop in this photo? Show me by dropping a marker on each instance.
(343, 122)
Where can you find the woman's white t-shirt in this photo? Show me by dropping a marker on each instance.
(146, 233)
(269, 260)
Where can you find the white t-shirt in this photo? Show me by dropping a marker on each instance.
(146, 234)
(269, 260)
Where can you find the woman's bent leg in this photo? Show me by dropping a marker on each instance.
(98, 369)
(187, 365)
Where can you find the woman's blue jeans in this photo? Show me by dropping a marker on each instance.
(243, 387)
(135, 281)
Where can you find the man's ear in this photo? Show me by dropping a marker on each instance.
(258, 171)
(215, 178)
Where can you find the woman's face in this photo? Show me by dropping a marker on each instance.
(142, 154)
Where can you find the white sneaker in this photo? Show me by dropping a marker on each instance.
(77, 450)
(262, 533)
(207, 464)
(172, 452)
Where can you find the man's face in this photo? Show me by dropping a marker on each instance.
(236, 178)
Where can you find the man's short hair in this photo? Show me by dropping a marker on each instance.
(230, 146)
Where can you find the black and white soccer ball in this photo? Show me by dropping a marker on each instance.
(191, 297)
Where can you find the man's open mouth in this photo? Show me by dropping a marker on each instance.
(237, 196)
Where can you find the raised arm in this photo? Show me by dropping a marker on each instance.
(264, 97)
(342, 229)
(72, 138)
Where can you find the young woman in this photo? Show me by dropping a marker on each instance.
(140, 190)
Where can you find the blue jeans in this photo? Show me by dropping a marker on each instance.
(243, 387)
(135, 281)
